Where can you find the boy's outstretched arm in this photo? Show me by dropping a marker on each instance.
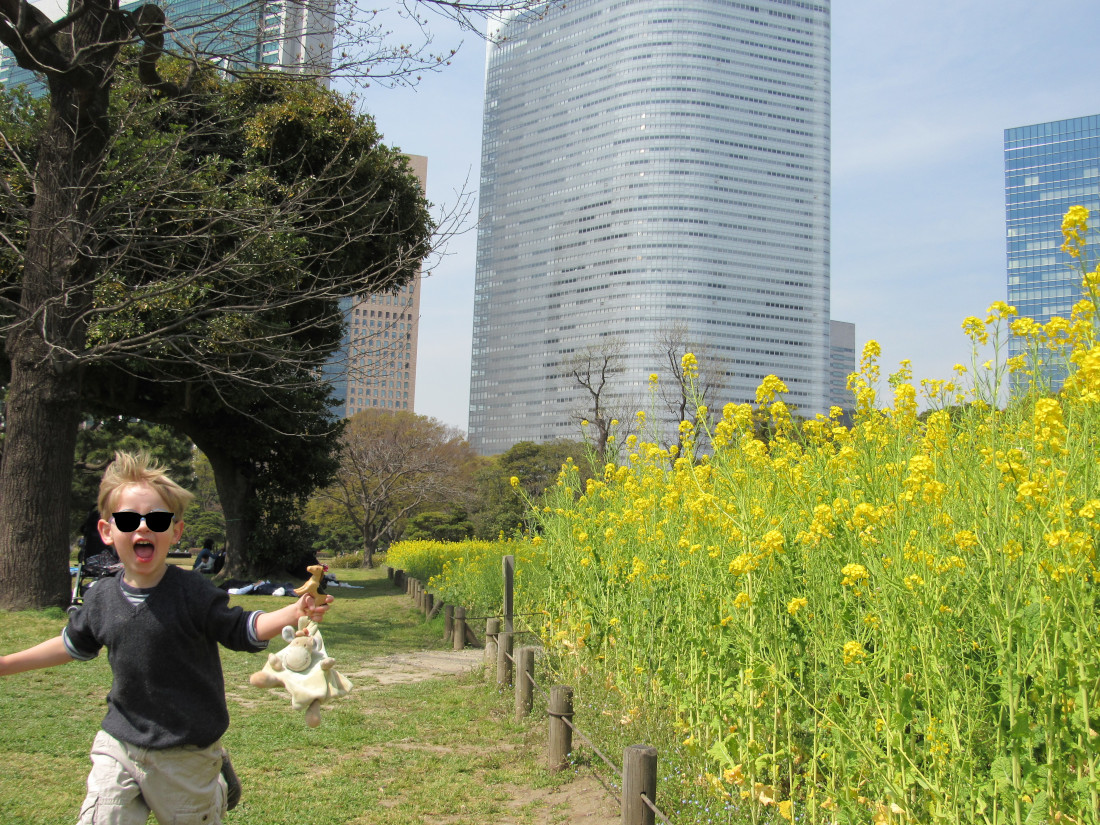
(270, 625)
(47, 654)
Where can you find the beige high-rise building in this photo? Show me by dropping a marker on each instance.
(376, 368)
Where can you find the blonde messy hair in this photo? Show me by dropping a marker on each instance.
(129, 469)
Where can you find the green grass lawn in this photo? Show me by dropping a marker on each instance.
(445, 750)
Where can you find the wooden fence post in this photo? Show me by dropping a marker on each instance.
(639, 779)
(561, 735)
(389, 572)
(504, 660)
(459, 635)
(448, 622)
(398, 577)
(492, 628)
(429, 600)
(508, 572)
(525, 680)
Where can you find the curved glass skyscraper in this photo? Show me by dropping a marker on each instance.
(650, 164)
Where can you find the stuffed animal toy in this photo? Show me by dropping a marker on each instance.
(305, 670)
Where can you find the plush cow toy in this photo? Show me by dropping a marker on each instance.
(305, 670)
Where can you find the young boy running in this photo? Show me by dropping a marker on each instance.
(160, 747)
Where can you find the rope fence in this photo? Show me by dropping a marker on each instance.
(638, 776)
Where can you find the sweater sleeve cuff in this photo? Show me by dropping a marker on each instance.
(75, 652)
(253, 637)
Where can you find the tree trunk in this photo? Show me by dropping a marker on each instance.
(35, 481)
(235, 493)
(44, 393)
(368, 554)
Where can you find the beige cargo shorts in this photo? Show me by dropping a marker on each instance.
(182, 786)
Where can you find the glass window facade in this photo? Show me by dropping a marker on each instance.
(1049, 167)
(842, 363)
(648, 163)
(293, 36)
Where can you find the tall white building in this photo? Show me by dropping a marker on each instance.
(646, 164)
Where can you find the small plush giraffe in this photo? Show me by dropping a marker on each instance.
(316, 576)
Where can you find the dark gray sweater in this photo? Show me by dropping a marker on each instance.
(168, 688)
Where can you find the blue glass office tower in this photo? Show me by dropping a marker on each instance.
(279, 34)
(1049, 167)
(644, 164)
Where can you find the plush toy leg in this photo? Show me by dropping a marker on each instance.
(263, 680)
(313, 713)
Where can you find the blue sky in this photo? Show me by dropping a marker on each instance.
(921, 95)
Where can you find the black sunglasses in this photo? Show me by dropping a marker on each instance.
(158, 522)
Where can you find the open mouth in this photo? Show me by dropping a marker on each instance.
(144, 550)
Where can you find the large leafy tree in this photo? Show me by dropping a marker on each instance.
(231, 222)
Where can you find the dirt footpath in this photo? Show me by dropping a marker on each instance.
(585, 800)
(402, 668)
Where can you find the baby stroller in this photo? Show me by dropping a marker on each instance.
(95, 560)
(90, 570)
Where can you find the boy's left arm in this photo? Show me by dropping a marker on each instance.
(270, 625)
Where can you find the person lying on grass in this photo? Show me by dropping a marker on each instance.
(160, 747)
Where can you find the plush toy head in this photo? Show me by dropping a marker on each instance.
(300, 649)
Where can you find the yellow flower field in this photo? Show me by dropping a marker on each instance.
(893, 622)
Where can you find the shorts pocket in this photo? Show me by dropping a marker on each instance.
(205, 816)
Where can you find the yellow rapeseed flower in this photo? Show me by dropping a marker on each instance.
(854, 574)
(768, 389)
(794, 605)
(744, 563)
(1074, 229)
(966, 540)
(854, 652)
(999, 310)
(975, 328)
(734, 775)
(1049, 427)
(772, 542)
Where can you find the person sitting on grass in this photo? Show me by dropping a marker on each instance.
(159, 749)
(205, 558)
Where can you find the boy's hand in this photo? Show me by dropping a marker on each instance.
(308, 607)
